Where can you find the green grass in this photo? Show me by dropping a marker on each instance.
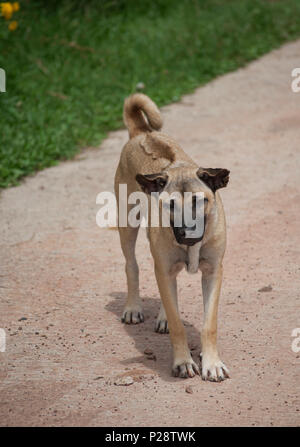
(70, 65)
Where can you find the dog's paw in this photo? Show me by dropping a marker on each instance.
(131, 316)
(186, 369)
(161, 326)
(214, 370)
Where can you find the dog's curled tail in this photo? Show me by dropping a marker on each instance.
(141, 115)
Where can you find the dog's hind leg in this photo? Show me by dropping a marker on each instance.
(161, 324)
(133, 313)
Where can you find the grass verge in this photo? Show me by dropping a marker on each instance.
(70, 64)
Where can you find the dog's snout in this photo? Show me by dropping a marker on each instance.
(184, 235)
(184, 231)
(189, 229)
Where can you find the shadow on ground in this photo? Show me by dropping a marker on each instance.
(144, 337)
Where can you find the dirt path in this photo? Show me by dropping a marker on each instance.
(66, 276)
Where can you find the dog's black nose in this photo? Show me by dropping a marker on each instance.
(181, 232)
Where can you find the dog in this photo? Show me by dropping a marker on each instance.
(151, 161)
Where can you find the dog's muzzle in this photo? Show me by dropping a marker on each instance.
(182, 235)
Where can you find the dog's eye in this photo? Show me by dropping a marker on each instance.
(161, 183)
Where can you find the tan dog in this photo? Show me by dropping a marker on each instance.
(152, 162)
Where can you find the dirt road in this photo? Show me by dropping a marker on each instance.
(63, 282)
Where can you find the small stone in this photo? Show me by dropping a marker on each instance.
(189, 389)
(148, 351)
(123, 381)
(140, 86)
(151, 357)
(266, 289)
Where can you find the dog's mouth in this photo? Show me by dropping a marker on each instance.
(181, 238)
(190, 242)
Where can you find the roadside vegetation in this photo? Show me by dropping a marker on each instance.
(70, 64)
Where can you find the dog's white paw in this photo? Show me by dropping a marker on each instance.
(132, 316)
(161, 326)
(185, 369)
(213, 369)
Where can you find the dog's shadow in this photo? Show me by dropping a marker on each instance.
(145, 337)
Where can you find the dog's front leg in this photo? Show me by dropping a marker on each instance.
(212, 367)
(183, 364)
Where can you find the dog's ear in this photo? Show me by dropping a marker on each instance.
(152, 182)
(214, 178)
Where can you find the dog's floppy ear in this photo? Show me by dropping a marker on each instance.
(152, 182)
(215, 178)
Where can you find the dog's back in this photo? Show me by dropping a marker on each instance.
(148, 150)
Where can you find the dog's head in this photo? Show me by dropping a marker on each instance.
(187, 188)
